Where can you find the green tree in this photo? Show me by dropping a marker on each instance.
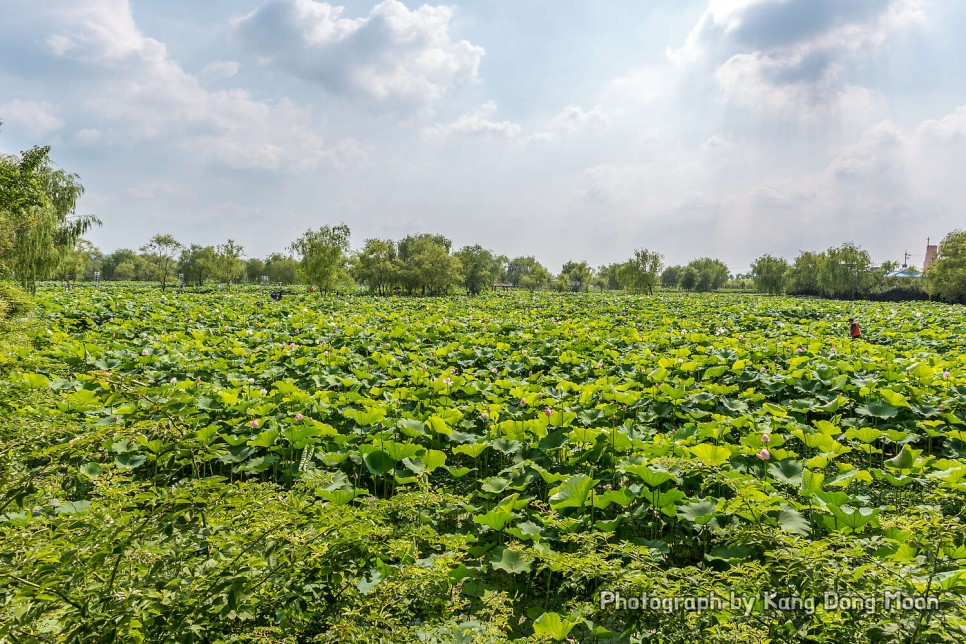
(704, 274)
(197, 263)
(947, 275)
(323, 255)
(480, 268)
(845, 271)
(229, 265)
(527, 272)
(281, 268)
(37, 215)
(79, 262)
(769, 274)
(688, 279)
(375, 266)
(641, 272)
(802, 278)
(576, 276)
(671, 277)
(611, 276)
(162, 250)
(425, 265)
(503, 262)
(254, 269)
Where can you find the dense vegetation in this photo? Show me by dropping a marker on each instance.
(187, 467)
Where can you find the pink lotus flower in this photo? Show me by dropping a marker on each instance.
(539, 394)
(145, 352)
(524, 352)
(548, 411)
(144, 335)
(763, 370)
(452, 370)
(254, 424)
(325, 353)
(174, 381)
(251, 381)
(600, 364)
(484, 415)
(298, 417)
(765, 438)
(942, 407)
(798, 350)
(493, 370)
(946, 375)
(764, 454)
(523, 402)
(447, 381)
(293, 346)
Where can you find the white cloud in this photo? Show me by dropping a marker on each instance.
(791, 54)
(143, 94)
(219, 70)
(159, 188)
(886, 191)
(571, 121)
(478, 123)
(393, 57)
(36, 117)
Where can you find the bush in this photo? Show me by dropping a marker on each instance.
(14, 303)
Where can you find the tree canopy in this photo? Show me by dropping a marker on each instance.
(704, 274)
(947, 275)
(38, 216)
(323, 254)
(769, 274)
(642, 272)
(162, 249)
(480, 268)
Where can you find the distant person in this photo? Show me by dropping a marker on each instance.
(854, 330)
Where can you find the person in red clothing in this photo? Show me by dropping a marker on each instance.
(854, 330)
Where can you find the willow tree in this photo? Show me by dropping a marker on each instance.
(229, 265)
(162, 249)
(323, 254)
(37, 215)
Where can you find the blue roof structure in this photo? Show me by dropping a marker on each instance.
(905, 272)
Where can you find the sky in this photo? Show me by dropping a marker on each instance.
(563, 129)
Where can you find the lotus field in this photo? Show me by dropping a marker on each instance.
(545, 467)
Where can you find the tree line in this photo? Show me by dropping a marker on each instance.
(418, 264)
(41, 238)
(426, 264)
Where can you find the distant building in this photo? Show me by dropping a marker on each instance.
(931, 250)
